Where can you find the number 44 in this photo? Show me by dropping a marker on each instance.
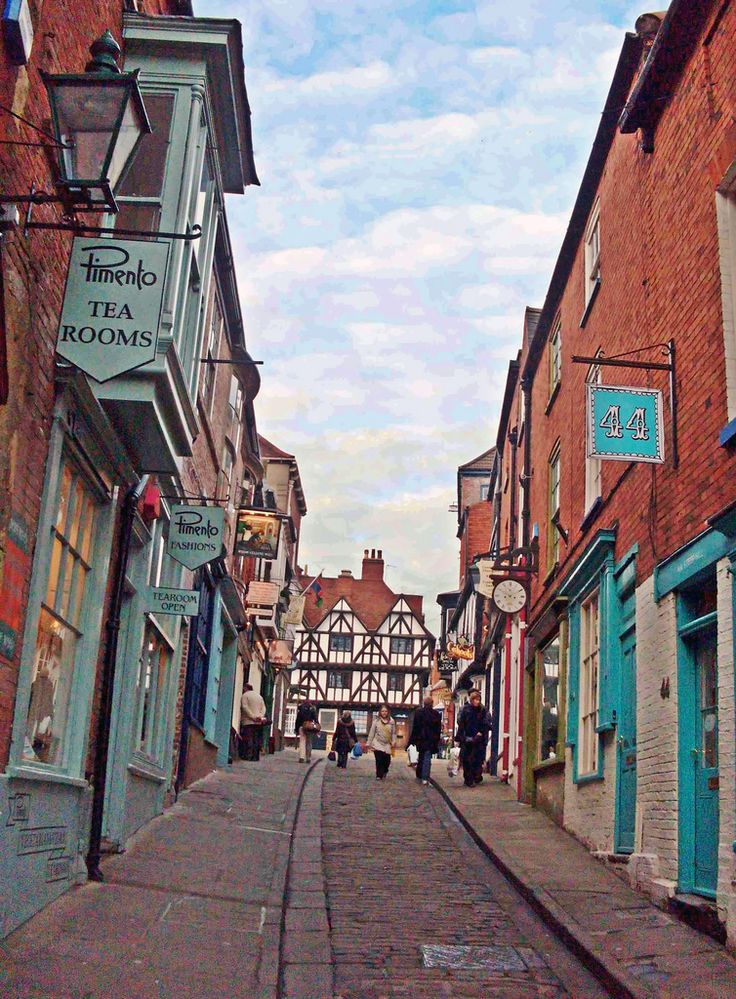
(637, 423)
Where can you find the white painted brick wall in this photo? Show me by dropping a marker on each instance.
(589, 808)
(656, 719)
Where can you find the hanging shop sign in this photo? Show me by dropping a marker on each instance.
(165, 600)
(460, 650)
(280, 652)
(112, 305)
(257, 533)
(625, 424)
(196, 534)
(262, 594)
(295, 613)
(488, 576)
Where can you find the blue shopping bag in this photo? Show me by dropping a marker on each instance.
(357, 751)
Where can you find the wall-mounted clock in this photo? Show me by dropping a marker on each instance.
(509, 595)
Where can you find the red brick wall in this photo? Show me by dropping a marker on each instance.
(660, 280)
(476, 536)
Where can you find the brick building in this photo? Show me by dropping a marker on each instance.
(108, 705)
(624, 655)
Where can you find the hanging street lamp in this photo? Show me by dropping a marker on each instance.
(98, 119)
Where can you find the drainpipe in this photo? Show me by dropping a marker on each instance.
(514, 442)
(507, 702)
(526, 388)
(112, 626)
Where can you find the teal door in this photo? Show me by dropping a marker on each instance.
(705, 763)
(626, 749)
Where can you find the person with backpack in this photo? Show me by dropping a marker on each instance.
(344, 739)
(306, 727)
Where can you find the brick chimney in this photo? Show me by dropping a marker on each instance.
(372, 564)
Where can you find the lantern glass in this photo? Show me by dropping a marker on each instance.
(99, 118)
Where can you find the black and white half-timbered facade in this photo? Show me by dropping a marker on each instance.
(362, 647)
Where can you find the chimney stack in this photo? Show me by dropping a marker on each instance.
(372, 564)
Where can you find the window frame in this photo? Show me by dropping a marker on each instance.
(588, 743)
(404, 640)
(542, 676)
(340, 642)
(592, 252)
(555, 358)
(553, 505)
(593, 466)
(396, 683)
(725, 197)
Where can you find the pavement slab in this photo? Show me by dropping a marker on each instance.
(193, 908)
(639, 949)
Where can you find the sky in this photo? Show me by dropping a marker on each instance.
(418, 162)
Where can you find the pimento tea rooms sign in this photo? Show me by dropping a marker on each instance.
(112, 305)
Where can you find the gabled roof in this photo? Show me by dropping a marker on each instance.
(269, 450)
(484, 462)
(371, 600)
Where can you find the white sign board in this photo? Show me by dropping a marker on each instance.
(195, 534)
(112, 305)
(488, 577)
(165, 600)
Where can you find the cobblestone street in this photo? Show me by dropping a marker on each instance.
(416, 910)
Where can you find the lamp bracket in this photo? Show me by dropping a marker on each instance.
(54, 144)
(212, 360)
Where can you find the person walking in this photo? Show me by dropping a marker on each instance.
(252, 720)
(306, 726)
(473, 727)
(426, 731)
(382, 740)
(344, 739)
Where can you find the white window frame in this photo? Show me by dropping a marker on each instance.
(290, 719)
(589, 685)
(726, 218)
(593, 251)
(555, 356)
(593, 466)
(553, 505)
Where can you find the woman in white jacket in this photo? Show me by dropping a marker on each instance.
(382, 740)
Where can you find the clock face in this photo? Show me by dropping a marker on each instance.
(509, 596)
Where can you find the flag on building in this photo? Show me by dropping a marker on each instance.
(316, 589)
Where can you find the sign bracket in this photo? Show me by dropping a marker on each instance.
(620, 361)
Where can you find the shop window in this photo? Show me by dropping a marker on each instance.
(402, 646)
(199, 646)
(341, 643)
(61, 621)
(549, 701)
(151, 685)
(589, 667)
(360, 718)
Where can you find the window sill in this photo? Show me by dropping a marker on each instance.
(588, 778)
(546, 766)
(551, 574)
(21, 772)
(552, 396)
(146, 770)
(590, 303)
(728, 434)
(591, 513)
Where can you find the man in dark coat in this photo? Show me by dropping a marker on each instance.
(473, 727)
(425, 735)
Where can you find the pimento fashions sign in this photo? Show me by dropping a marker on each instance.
(111, 312)
(195, 534)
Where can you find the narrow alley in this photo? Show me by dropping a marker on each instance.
(308, 882)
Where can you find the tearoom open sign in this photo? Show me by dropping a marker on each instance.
(625, 424)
